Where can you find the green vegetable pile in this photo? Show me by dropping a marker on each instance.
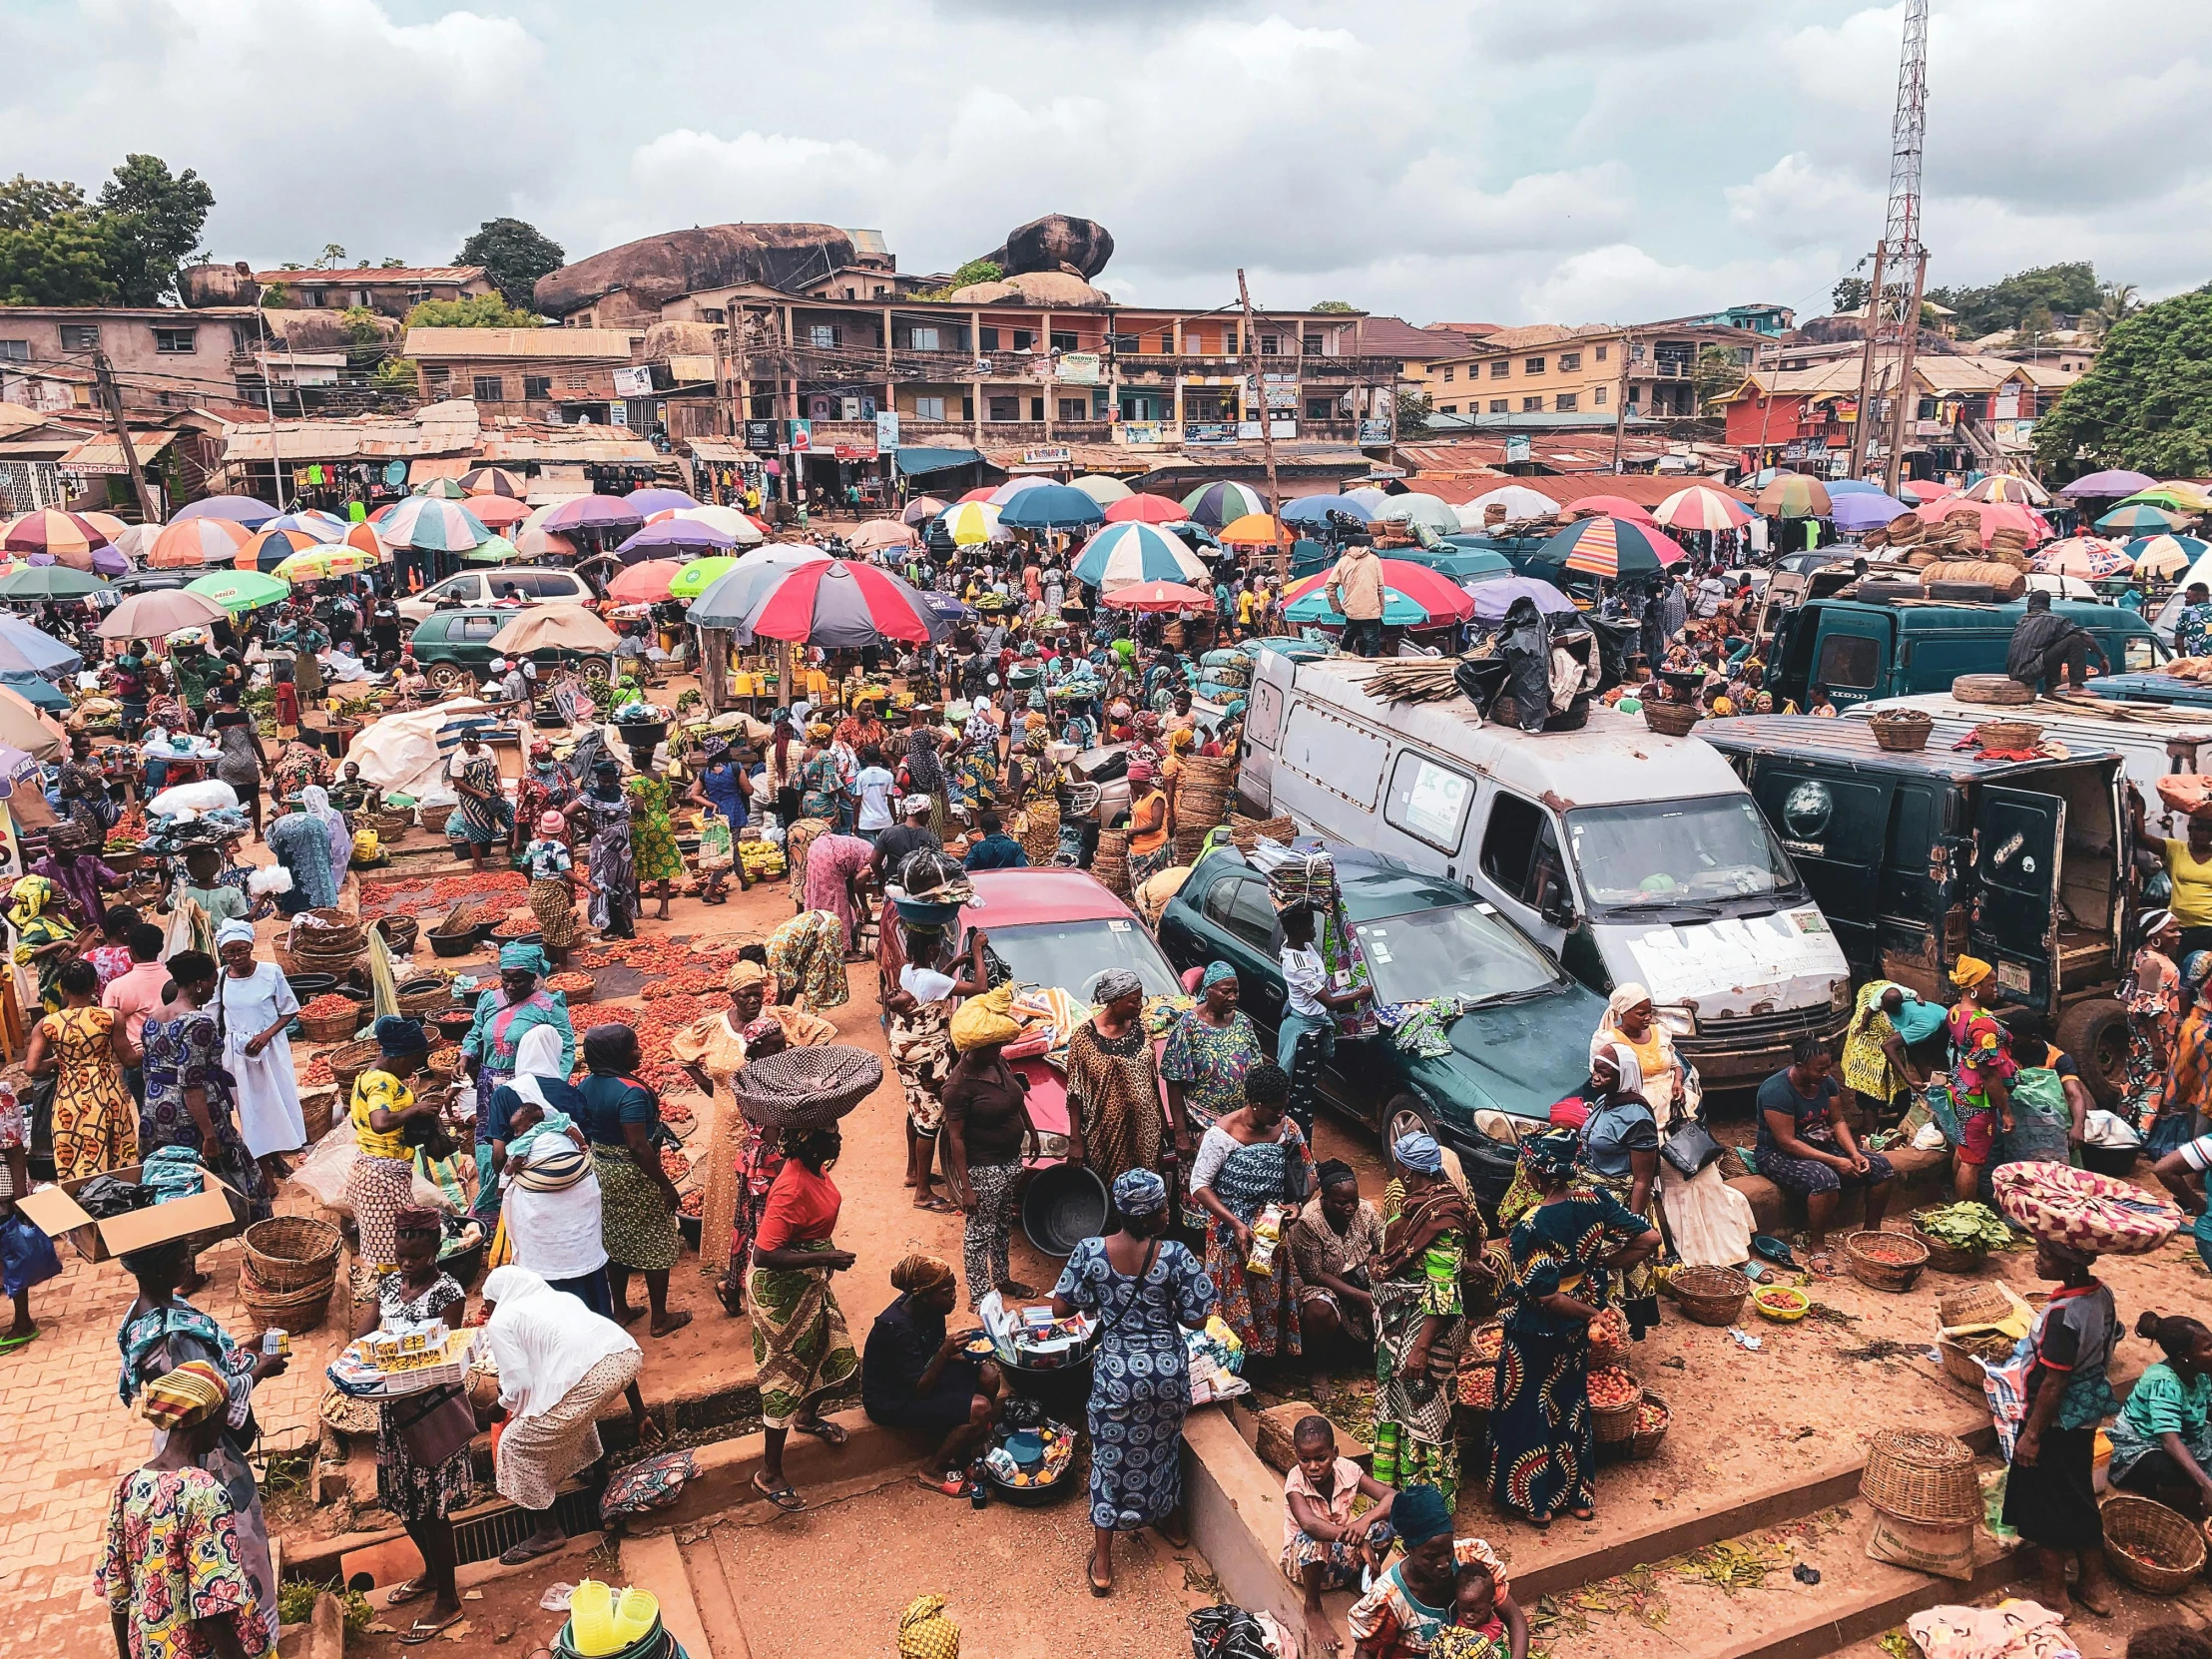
(295, 1600)
(1967, 1226)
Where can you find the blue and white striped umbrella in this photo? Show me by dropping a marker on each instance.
(1122, 555)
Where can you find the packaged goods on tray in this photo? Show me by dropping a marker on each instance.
(406, 1359)
(1032, 1339)
(1215, 1356)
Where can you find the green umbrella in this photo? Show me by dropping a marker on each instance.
(695, 578)
(497, 551)
(48, 582)
(241, 590)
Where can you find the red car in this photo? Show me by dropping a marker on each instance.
(1060, 927)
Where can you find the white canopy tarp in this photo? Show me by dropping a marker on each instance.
(401, 752)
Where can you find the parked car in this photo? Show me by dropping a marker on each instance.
(1522, 1044)
(532, 584)
(454, 648)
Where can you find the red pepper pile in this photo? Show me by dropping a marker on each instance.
(423, 898)
(331, 1003)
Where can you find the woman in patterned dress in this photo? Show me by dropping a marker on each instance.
(1146, 1291)
(807, 957)
(94, 1121)
(187, 1091)
(42, 935)
(604, 812)
(920, 1037)
(486, 816)
(836, 868)
(637, 1202)
(1203, 1061)
(1421, 1320)
(797, 841)
(802, 1350)
(1113, 1081)
(1255, 1156)
(552, 875)
(2152, 993)
(653, 838)
(1565, 1251)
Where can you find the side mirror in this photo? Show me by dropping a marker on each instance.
(1558, 911)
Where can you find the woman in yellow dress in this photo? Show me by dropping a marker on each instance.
(95, 1123)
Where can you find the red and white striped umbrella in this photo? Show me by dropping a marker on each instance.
(843, 604)
(1701, 507)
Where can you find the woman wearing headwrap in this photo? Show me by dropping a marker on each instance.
(1564, 1253)
(972, 775)
(560, 1365)
(423, 1471)
(254, 1005)
(86, 1047)
(2152, 995)
(2051, 1495)
(161, 1331)
(1875, 1066)
(1113, 1083)
(805, 955)
(1620, 1154)
(653, 850)
(801, 1349)
(73, 863)
(1420, 1317)
(551, 869)
(603, 813)
(388, 1125)
(1414, 1604)
(988, 1133)
(1253, 1157)
(486, 814)
(1206, 1054)
(549, 1197)
(503, 1013)
(546, 786)
(913, 1374)
(1145, 1289)
(1982, 1076)
(187, 1090)
(42, 935)
(2187, 1091)
(924, 766)
(176, 1572)
(637, 1203)
(306, 846)
(1150, 843)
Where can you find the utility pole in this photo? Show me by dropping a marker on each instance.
(1901, 263)
(1620, 400)
(105, 375)
(1267, 424)
(1894, 470)
(269, 403)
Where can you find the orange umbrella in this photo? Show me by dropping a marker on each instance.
(270, 548)
(364, 539)
(497, 511)
(1253, 528)
(191, 543)
(645, 583)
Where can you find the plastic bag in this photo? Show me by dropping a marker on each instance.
(325, 1170)
(26, 1256)
(104, 1197)
(1228, 1633)
(208, 795)
(269, 880)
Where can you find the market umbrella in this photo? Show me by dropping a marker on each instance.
(156, 613)
(644, 584)
(594, 512)
(23, 726)
(18, 770)
(1148, 509)
(1609, 547)
(321, 525)
(1313, 510)
(494, 550)
(1853, 486)
(654, 540)
(365, 538)
(841, 604)
(2175, 498)
(922, 509)
(1315, 611)
(1439, 596)
(318, 564)
(553, 628)
(493, 480)
(240, 590)
(2006, 486)
(498, 512)
(1864, 509)
(654, 498)
(1214, 505)
(742, 530)
(137, 539)
(441, 489)
(971, 523)
(1122, 555)
(1794, 495)
(879, 533)
(1157, 596)
(2089, 557)
(1254, 529)
(1414, 507)
(267, 549)
(1519, 500)
(949, 606)
(1002, 494)
(2141, 518)
(2166, 555)
(107, 524)
(48, 582)
(2115, 482)
(28, 652)
(1495, 598)
(1102, 489)
(426, 522)
(1049, 507)
(534, 543)
(697, 575)
(239, 509)
(1701, 507)
(1921, 491)
(982, 493)
(1613, 506)
(725, 604)
(192, 543)
(67, 537)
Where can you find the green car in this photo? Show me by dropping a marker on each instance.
(1522, 1044)
(454, 648)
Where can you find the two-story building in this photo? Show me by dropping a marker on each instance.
(161, 358)
(565, 375)
(389, 291)
(1588, 372)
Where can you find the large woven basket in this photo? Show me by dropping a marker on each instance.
(2151, 1546)
(1671, 720)
(1946, 1258)
(1110, 864)
(806, 1088)
(399, 932)
(434, 818)
(425, 993)
(1616, 1424)
(350, 1060)
(326, 932)
(330, 1028)
(315, 1109)
(1645, 1442)
(1975, 1305)
(1900, 730)
(285, 1254)
(1920, 1476)
(1883, 1261)
(1245, 833)
(2008, 734)
(293, 1312)
(1711, 1295)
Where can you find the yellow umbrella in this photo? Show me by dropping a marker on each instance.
(320, 563)
(971, 523)
(1252, 527)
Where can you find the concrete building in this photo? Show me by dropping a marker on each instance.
(552, 374)
(389, 291)
(163, 358)
(1586, 373)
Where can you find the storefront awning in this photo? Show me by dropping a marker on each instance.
(914, 462)
(451, 466)
(104, 454)
(713, 449)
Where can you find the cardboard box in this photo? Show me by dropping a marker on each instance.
(218, 1212)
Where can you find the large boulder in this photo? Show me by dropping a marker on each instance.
(1057, 242)
(653, 270)
(1033, 288)
(218, 285)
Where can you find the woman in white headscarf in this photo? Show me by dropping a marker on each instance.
(559, 1364)
(550, 1200)
(313, 844)
(1709, 1222)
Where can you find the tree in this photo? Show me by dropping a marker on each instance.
(28, 201)
(153, 219)
(1332, 305)
(396, 374)
(2120, 302)
(334, 253)
(1717, 374)
(61, 259)
(2146, 404)
(2069, 290)
(514, 255)
(482, 311)
(1414, 409)
(1849, 295)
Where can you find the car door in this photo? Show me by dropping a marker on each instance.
(2014, 925)
(1243, 932)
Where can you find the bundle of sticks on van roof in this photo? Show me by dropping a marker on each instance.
(1413, 680)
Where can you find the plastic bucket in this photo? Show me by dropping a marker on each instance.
(1063, 1206)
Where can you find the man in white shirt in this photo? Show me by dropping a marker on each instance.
(873, 784)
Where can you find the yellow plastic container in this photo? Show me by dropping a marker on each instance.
(636, 1612)
(591, 1619)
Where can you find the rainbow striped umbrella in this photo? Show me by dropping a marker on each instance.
(441, 489)
(440, 526)
(971, 523)
(1214, 505)
(67, 536)
(318, 563)
(1701, 507)
(2166, 555)
(2006, 486)
(1609, 547)
(191, 543)
(1794, 495)
(321, 525)
(270, 548)
(2141, 518)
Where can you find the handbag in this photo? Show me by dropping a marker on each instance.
(435, 1429)
(1690, 1148)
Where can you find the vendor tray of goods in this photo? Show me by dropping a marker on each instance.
(1215, 1357)
(1032, 1339)
(404, 1359)
(1032, 1458)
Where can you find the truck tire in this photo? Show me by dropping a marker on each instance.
(1999, 690)
(2095, 1034)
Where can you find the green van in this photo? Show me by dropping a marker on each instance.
(454, 648)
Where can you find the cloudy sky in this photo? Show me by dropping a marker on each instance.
(1448, 159)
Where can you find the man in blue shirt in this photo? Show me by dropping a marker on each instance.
(997, 849)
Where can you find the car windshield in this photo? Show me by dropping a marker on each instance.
(1070, 955)
(1714, 852)
(1464, 951)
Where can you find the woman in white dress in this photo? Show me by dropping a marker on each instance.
(254, 1005)
(549, 1194)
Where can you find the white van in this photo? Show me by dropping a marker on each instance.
(532, 584)
(1633, 856)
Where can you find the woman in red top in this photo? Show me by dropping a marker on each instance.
(800, 1347)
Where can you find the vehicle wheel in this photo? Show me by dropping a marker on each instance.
(1407, 1114)
(2095, 1034)
(447, 677)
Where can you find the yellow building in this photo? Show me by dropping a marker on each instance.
(1550, 369)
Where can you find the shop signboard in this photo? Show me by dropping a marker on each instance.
(1516, 445)
(1050, 456)
(1078, 369)
(1212, 431)
(854, 451)
(634, 383)
(1145, 434)
(1376, 433)
(887, 429)
(759, 436)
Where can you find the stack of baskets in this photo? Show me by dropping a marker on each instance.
(1202, 795)
(425, 993)
(290, 1267)
(1110, 864)
(1247, 832)
(1926, 1499)
(326, 942)
(1901, 731)
(399, 934)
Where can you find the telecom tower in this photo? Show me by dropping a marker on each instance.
(1900, 270)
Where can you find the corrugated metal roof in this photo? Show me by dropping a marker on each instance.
(607, 344)
(447, 428)
(600, 449)
(104, 454)
(716, 450)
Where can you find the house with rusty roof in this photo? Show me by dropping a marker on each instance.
(389, 291)
(1969, 410)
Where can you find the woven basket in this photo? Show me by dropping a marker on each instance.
(328, 931)
(1961, 1365)
(425, 995)
(330, 1028)
(1919, 1477)
(1616, 1424)
(288, 1254)
(806, 1088)
(1671, 720)
(2151, 1546)
(392, 824)
(350, 1060)
(1110, 864)
(399, 934)
(2008, 734)
(1886, 1261)
(1975, 1305)
(1946, 1258)
(1901, 731)
(434, 818)
(1190, 841)
(1645, 1442)
(293, 1312)
(1991, 690)
(577, 995)
(1040, 837)
(1245, 833)
(350, 1415)
(1711, 1295)
(317, 1109)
